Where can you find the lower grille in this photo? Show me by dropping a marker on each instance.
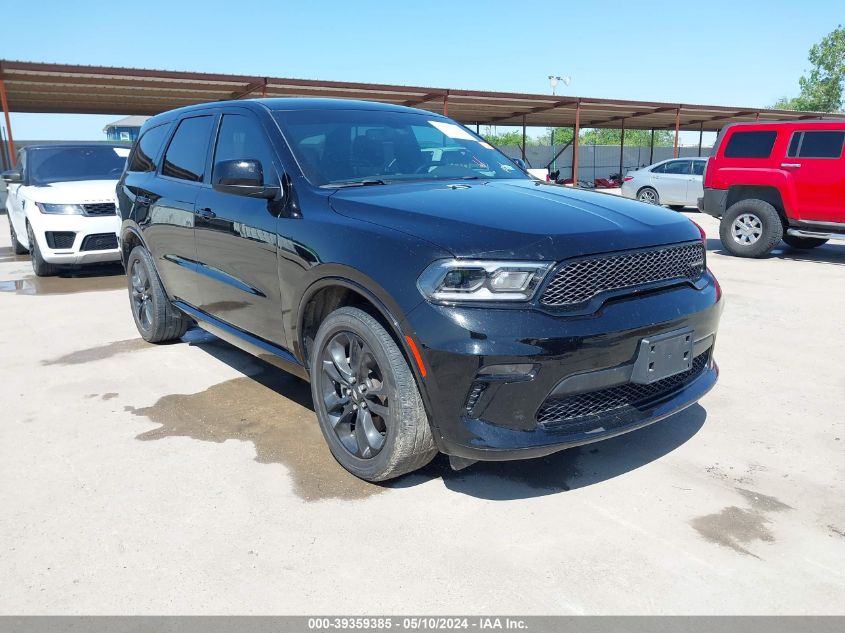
(581, 406)
(99, 242)
(60, 239)
(100, 208)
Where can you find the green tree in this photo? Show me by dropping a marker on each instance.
(822, 88)
(633, 138)
(502, 138)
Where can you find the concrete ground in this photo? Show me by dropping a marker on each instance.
(191, 478)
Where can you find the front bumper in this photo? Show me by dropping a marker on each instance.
(714, 202)
(501, 422)
(82, 227)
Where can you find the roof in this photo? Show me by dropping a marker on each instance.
(40, 87)
(129, 121)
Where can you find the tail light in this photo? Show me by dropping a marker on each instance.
(627, 178)
(548, 179)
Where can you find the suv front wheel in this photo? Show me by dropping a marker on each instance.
(366, 398)
(750, 228)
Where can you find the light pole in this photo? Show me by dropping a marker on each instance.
(553, 80)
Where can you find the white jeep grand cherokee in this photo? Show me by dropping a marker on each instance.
(61, 204)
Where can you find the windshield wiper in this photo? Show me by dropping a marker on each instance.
(356, 183)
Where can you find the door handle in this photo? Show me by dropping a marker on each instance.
(206, 214)
(790, 165)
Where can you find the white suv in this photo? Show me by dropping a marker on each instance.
(61, 204)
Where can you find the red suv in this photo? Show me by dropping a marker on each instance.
(777, 181)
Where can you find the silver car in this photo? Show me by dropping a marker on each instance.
(676, 182)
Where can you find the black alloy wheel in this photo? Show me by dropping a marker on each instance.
(142, 303)
(366, 398)
(355, 395)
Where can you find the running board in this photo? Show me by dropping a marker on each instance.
(821, 235)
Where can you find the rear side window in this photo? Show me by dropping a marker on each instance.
(750, 145)
(673, 167)
(698, 167)
(821, 144)
(185, 156)
(148, 147)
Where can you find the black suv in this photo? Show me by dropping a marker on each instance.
(436, 297)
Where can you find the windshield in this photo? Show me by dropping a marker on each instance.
(345, 147)
(47, 165)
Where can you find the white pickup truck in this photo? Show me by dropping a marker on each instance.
(61, 204)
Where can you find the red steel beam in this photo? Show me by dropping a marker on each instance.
(575, 144)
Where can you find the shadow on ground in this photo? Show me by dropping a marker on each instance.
(274, 411)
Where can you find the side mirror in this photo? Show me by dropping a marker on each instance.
(11, 176)
(242, 178)
(520, 163)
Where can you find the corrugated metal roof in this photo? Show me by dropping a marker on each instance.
(39, 87)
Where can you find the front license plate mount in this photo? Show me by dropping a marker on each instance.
(663, 355)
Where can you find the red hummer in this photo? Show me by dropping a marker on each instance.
(777, 181)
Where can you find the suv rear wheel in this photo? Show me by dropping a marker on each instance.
(750, 228)
(155, 316)
(803, 242)
(366, 398)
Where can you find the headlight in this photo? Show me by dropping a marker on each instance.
(60, 209)
(473, 280)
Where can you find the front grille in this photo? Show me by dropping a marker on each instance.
(578, 281)
(572, 409)
(100, 208)
(60, 239)
(99, 242)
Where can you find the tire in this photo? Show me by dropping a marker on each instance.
(378, 432)
(677, 207)
(40, 267)
(750, 228)
(155, 316)
(803, 242)
(648, 195)
(17, 247)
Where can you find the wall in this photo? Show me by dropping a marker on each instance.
(597, 161)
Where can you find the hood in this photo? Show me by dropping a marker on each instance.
(75, 192)
(515, 219)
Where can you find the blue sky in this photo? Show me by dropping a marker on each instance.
(714, 52)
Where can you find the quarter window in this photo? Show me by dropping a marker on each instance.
(185, 156)
(147, 148)
(821, 144)
(750, 145)
(242, 138)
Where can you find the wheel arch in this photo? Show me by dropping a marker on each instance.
(130, 237)
(649, 186)
(766, 193)
(333, 291)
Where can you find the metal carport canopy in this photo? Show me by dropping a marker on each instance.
(40, 87)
